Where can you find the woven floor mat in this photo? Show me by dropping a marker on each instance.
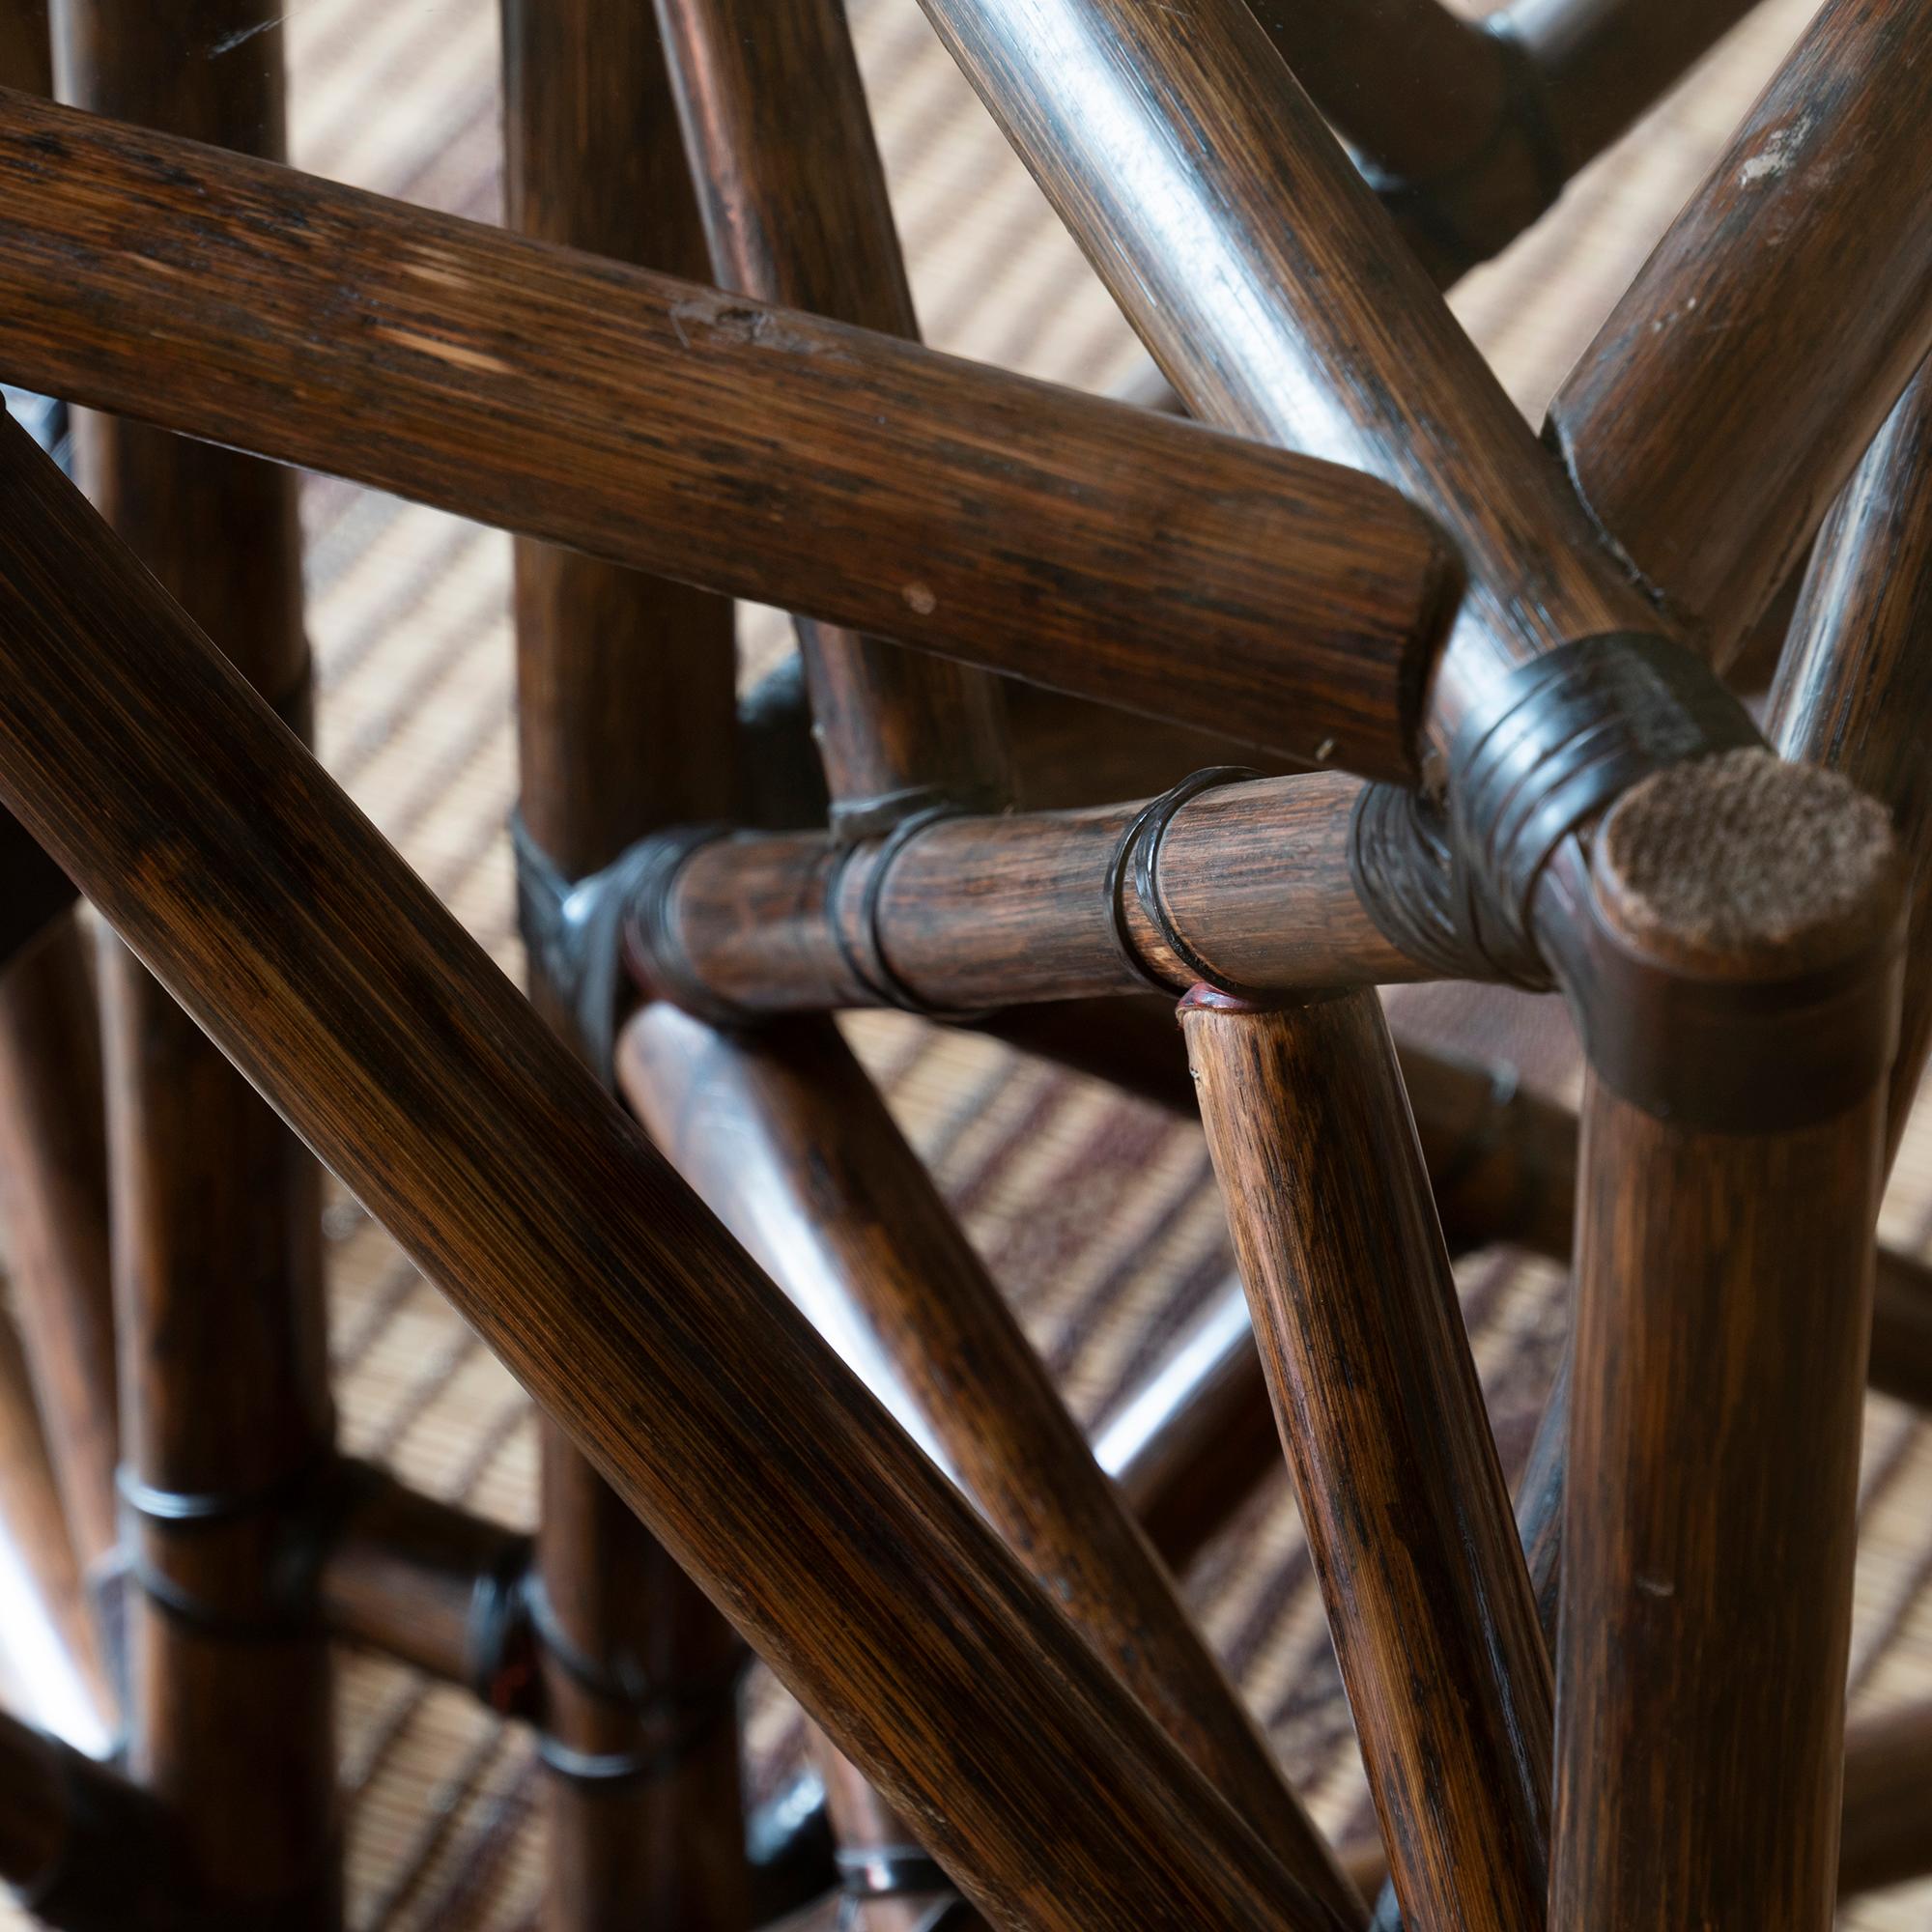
(1096, 1214)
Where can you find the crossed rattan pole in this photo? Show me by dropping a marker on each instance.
(1059, 80)
(426, 1082)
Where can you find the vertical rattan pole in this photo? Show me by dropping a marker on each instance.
(625, 724)
(225, 1406)
(796, 211)
(53, 1188)
(1737, 971)
(53, 1157)
(787, 1140)
(796, 208)
(1383, 1419)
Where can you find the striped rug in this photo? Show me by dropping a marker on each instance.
(1096, 1214)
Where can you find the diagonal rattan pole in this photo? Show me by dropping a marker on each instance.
(80, 1848)
(785, 1136)
(331, 975)
(54, 1185)
(1383, 1420)
(779, 132)
(1469, 130)
(1742, 374)
(625, 722)
(796, 208)
(226, 1413)
(1854, 690)
(851, 477)
(1278, 299)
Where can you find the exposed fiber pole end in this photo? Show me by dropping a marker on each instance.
(1740, 968)
(1743, 865)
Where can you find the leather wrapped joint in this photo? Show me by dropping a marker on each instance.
(1563, 737)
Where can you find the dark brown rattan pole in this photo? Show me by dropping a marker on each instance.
(226, 1415)
(53, 1184)
(423, 1079)
(786, 1138)
(79, 1848)
(1383, 1420)
(1254, 880)
(1723, 1256)
(860, 480)
(625, 722)
(1854, 690)
(1742, 376)
(795, 203)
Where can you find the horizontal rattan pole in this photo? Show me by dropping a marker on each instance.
(963, 914)
(847, 475)
(1742, 374)
(258, 893)
(431, 1584)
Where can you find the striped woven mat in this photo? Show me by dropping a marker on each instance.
(1098, 1215)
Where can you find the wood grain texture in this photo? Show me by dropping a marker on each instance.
(1722, 1322)
(1381, 1416)
(216, 1208)
(53, 1187)
(1074, 542)
(784, 1137)
(1278, 299)
(626, 721)
(980, 912)
(1742, 374)
(795, 204)
(1854, 689)
(420, 1074)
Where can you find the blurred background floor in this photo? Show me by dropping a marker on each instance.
(1096, 1214)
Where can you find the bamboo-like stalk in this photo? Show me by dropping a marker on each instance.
(226, 1412)
(785, 1138)
(1732, 389)
(975, 912)
(53, 1184)
(796, 208)
(422, 1077)
(1854, 689)
(860, 480)
(625, 722)
(80, 1848)
(1725, 1247)
(1383, 1419)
